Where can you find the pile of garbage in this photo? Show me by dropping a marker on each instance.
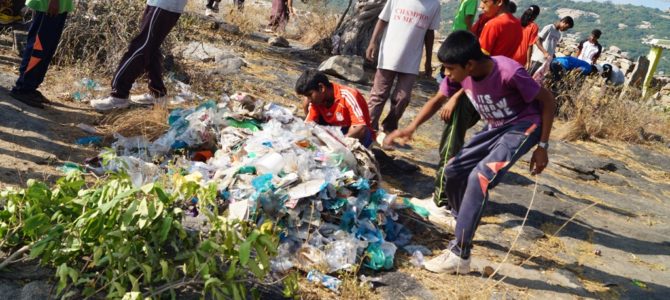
(319, 188)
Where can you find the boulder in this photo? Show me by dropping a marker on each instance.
(204, 52)
(639, 72)
(228, 65)
(278, 41)
(349, 67)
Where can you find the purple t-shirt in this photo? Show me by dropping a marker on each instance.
(505, 96)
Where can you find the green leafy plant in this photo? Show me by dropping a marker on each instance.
(120, 241)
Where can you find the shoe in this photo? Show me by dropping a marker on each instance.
(109, 103)
(30, 98)
(449, 263)
(147, 99)
(7, 16)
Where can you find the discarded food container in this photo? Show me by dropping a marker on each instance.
(329, 282)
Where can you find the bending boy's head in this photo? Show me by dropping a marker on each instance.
(566, 23)
(459, 54)
(607, 71)
(313, 85)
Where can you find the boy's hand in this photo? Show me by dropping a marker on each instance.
(371, 52)
(448, 110)
(539, 160)
(54, 8)
(402, 135)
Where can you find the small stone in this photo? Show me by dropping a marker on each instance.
(488, 271)
(597, 252)
(278, 41)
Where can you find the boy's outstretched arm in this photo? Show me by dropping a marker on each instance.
(373, 46)
(426, 112)
(540, 158)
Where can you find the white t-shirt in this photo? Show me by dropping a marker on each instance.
(590, 51)
(402, 43)
(175, 6)
(550, 36)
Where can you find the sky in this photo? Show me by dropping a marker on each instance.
(660, 4)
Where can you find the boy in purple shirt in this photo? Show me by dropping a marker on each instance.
(519, 114)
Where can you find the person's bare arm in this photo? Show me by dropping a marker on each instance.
(289, 3)
(356, 131)
(427, 111)
(540, 158)
(373, 46)
(469, 20)
(428, 41)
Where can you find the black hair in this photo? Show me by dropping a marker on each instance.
(309, 81)
(460, 47)
(511, 7)
(529, 15)
(596, 33)
(607, 70)
(568, 20)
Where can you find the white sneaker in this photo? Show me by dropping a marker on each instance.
(109, 103)
(448, 262)
(147, 99)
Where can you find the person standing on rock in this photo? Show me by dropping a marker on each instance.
(335, 105)
(528, 37)
(548, 39)
(519, 114)
(465, 15)
(589, 50)
(144, 56)
(281, 11)
(43, 38)
(404, 27)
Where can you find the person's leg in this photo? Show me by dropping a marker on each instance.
(381, 88)
(534, 66)
(43, 37)
(156, 24)
(399, 101)
(492, 153)
(506, 147)
(453, 137)
(164, 25)
(210, 4)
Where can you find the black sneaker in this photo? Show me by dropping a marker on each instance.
(31, 98)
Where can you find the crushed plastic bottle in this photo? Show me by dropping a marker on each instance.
(330, 282)
(417, 259)
(89, 140)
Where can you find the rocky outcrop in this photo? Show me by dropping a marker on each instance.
(349, 67)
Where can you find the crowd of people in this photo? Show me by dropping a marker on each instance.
(492, 69)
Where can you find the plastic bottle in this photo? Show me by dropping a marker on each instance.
(329, 282)
(417, 259)
(89, 140)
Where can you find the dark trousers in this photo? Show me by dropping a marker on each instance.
(144, 54)
(453, 137)
(479, 167)
(43, 37)
(381, 90)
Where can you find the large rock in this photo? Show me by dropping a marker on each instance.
(640, 70)
(349, 67)
(204, 52)
(278, 41)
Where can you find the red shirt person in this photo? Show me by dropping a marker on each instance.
(502, 34)
(335, 105)
(529, 35)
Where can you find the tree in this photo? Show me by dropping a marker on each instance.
(352, 35)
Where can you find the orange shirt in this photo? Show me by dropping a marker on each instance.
(348, 109)
(501, 36)
(528, 38)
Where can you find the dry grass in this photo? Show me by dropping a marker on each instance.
(149, 122)
(595, 111)
(316, 26)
